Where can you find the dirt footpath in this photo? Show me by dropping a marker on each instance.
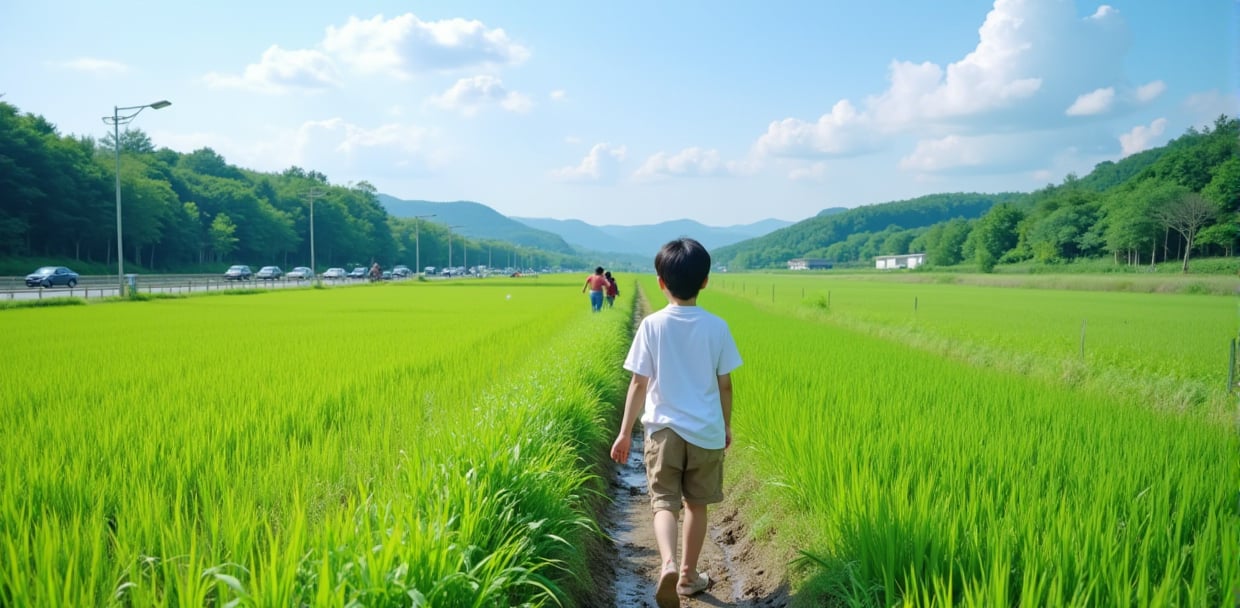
(739, 577)
(740, 574)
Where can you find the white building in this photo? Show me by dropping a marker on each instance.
(912, 260)
(808, 264)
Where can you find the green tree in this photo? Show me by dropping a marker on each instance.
(222, 239)
(1224, 188)
(995, 234)
(1187, 216)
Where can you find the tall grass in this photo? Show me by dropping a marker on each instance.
(914, 479)
(420, 444)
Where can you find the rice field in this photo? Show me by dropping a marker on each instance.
(915, 477)
(435, 444)
(413, 444)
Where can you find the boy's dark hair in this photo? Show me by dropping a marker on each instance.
(598, 270)
(683, 264)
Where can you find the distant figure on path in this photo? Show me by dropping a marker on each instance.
(596, 283)
(612, 290)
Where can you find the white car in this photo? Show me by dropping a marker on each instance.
(335, 273)
(299, 273)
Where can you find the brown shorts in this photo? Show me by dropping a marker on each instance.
(677, 469)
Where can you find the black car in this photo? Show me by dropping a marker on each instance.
(51, 276)
(359, 273)
(239, 272)
(269, 273)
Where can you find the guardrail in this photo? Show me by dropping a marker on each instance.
(14, 288)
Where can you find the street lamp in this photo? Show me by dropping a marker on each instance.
(313, 194)
(450, 243)
(116, 120)
(417, 240)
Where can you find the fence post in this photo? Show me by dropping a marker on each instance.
(1231, 368)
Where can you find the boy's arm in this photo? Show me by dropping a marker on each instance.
(725, 400)
(634, 403)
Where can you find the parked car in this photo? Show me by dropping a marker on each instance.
(386, 275)
(238, 272)
(359, 273)
(300, 273)
(401, 272)
(269, 273)
(335, 273)
(51, 276)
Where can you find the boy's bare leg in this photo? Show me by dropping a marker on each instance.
(695, 536)
(665, 536)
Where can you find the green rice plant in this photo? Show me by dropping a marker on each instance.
(909, 478)
(1170, 350)
(420, 443)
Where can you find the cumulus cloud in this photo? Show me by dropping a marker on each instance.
(406, 45)
(398, 47)
(280, 71)
(1150, 91)
(1141, 137)
(602, 163)
(95, 66)
(690, 162)
(842, 132)
(1095, 102)
(469, 95)
(1032, 60)
(949, 152)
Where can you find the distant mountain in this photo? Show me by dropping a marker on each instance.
(477, 221)
(832, 211)
(645, 240)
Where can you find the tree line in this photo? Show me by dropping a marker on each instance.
(1164, 204)
(197, 212)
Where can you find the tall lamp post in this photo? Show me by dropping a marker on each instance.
(116, 120)
(313, 194)
(417, 240)
(450, 242)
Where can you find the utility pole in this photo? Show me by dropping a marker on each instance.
(311, 195)
(417, 239)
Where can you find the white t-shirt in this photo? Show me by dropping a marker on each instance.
(684, 350)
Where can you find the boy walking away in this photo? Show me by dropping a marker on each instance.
(681, 359)
(612, 289)
(596, 283)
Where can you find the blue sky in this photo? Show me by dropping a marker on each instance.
(640, 112)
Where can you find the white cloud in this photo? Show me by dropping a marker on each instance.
(1095, 102)
(280, 71)
(1141, 137)
(469, 95)
(1149, 91)
(96, 67)
(948, 152)
(842, 132)
(602, 163)
(1032, 60)
(406, 45)
(558, 95)
(690, 162)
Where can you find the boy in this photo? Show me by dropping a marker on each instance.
(596, 283)
(681, 359)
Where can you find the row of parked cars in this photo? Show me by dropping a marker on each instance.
(241, 272)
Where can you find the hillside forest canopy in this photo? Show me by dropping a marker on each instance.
(1165, 204)
(196, 212)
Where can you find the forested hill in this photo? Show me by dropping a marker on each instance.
(195, 212)
(815, 237)
(477, 220)
(1165, 204)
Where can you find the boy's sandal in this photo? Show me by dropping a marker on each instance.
(697, 586)
(665, 595)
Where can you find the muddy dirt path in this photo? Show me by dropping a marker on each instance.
(740, 575)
